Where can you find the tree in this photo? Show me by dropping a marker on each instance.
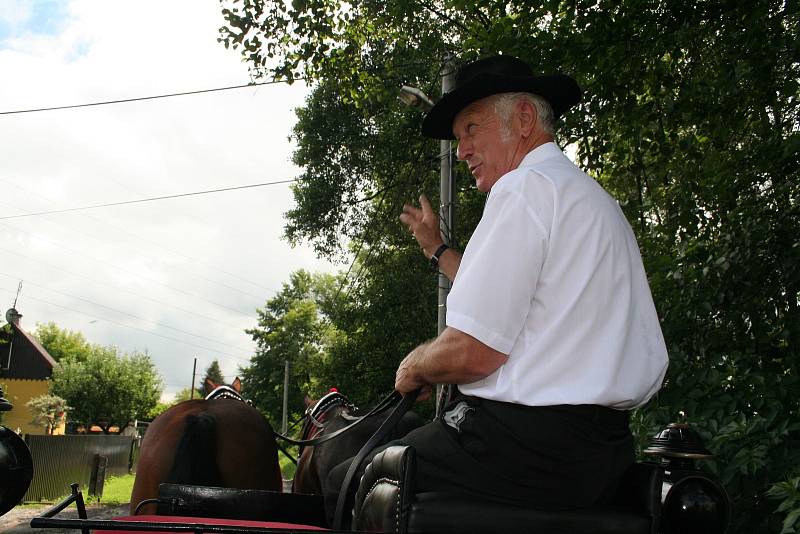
(108, 389)
(690, 119)
(293, 326)
(213, 373)
(62, 344)
(186, 394)
(47, 411)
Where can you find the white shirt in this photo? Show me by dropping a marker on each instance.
(552, 277)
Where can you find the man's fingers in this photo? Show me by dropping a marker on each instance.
(427, 210)
(412, 212)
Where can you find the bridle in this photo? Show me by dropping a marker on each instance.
(333, 399)
(226, 392)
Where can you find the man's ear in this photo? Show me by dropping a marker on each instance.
(526, 117)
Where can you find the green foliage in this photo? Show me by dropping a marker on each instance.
(47, 410)
(788, 493)
(108, 389)
(293, 326)
(690, 118)
(180, 396)
(5, 334)
(186, 394)
(157, 410)
(62, 344)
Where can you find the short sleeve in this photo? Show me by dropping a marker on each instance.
(496, 281)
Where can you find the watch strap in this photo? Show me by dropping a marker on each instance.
(438, 254)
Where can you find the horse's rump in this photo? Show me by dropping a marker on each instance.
(224, 443)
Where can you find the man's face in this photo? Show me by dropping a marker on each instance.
(482, 143)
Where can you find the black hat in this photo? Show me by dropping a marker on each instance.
(491, 76)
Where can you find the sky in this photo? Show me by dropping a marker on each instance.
(180, 278)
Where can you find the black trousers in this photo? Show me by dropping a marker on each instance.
(549, 457)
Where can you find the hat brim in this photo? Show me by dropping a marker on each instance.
(561, 91)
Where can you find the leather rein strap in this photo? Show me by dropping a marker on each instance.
(379, 408)
(373, 442)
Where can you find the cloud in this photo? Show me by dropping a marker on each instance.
(192, 269)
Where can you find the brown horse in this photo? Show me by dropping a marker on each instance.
(222, 442)
(325, 416)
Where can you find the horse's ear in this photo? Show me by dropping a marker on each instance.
(237, 385)
(309, 402)
(210, 385)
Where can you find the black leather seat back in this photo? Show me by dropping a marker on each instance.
(386, 502)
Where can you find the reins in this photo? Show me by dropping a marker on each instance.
(388, 424)
(381, 407)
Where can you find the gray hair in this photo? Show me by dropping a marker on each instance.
(505, 103)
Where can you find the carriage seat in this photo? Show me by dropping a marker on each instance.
(386, 502)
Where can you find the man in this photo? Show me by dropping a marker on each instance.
(551, 330)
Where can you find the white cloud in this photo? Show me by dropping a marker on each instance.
(198, 264)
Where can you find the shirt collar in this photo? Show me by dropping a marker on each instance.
(541, 153)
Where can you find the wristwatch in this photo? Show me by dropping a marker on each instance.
(437, 255)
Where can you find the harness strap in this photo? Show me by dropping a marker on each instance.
(379, 408)
(315, 413)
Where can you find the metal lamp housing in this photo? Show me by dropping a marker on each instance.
(692, 502)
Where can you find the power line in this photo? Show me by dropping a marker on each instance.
(135, 274)
(127, 313)
(214, 351)
(153, 243)
(138, 99)
(137, 201)
(259, 298)
(137, 295)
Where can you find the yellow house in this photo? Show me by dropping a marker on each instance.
(25, 371)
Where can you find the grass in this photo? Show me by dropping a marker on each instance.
(116, 490)
(287, 466)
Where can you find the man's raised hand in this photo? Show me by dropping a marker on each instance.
(423, 224)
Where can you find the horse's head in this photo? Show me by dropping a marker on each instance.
(224, 391)
(236, 385)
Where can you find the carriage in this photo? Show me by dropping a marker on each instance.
(668, 496)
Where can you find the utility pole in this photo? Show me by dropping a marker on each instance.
(412, 96)
(285, 416)
(194, 371)
(446, 207)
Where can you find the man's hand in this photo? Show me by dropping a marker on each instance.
(424, 225)
(406, 378)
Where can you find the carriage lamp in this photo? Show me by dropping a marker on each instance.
(16, 465)
(692, 501)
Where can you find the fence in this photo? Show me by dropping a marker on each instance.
(59, 461)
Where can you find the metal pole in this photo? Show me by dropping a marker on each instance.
(285, 417)
(445, 206)
(194, 371)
